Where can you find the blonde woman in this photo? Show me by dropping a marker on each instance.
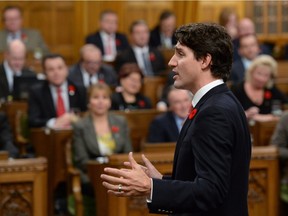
(257, 92)
(100, 133)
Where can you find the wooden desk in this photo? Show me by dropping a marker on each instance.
(158, 147)
(108, 205)
(51, 144)
(138, 122)
(262, 132)
(263, 193)
(23, 187)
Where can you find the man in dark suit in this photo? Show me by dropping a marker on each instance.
(91, 69)
(163, 34)
(149, 59)
(13, 66)
(247, 27)
(167, 126)
(248, 49)
(211, 162)
(53, 102)
(107, 38)
(6, 139)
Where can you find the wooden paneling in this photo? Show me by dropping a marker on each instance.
(208, 11)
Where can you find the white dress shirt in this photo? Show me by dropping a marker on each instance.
(106, 40)
(87, 78)
(65, 97)
(10, 75)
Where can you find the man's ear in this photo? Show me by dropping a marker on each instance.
(206, 61)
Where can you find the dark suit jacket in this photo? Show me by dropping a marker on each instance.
(155, 38)
(237, 71)
(86, 146)
(95, 38)
(41, 106)
(211, 162)
(105, 73)
(156, 59)
(6, 139)
(119, 103)
(4, 87)
(163, 129)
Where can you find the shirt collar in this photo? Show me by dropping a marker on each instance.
(63, 87)
(202, 91)
(105, 35)
(246, 62)
(141, 49)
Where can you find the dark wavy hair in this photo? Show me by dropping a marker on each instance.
(209, 38)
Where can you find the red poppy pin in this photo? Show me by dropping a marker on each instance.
(152, 57)
(71, 90)
(24, 37)
(192, 114)
(118, 42)
(141, 103)
(267, 95)
(114, 129)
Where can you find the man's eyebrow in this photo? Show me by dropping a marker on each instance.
(178, 48)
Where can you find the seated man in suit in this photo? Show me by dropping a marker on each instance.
(6, 139)
(13, 66)
(248, 49)
(163, 34)
(247, 27)
(166, 127)
(107, 38)
(12, 22)
(149, 59)
(90, 69)
(52, 102)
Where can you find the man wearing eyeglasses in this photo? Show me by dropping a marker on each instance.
(90, 68)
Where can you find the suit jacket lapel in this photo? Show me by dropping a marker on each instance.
(3, 80)
(213, 91)
(91, 136)
(48, 99)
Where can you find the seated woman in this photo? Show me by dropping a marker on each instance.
(257, 92)
(129, 97)
(98, 134)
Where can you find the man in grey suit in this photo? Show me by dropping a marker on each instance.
(12, 22)
(91, 69)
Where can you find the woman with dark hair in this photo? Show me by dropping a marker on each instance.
(130, 98)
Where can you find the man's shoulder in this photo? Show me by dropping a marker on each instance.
(120, 36)
(93, 36)
(74, 69)
(30, 31)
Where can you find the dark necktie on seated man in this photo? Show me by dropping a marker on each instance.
(60, 103)
(147, 64)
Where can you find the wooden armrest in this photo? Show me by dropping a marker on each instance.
(74, 186)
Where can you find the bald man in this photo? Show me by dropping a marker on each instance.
(12, 66)
(91, 69)
(246, 26)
